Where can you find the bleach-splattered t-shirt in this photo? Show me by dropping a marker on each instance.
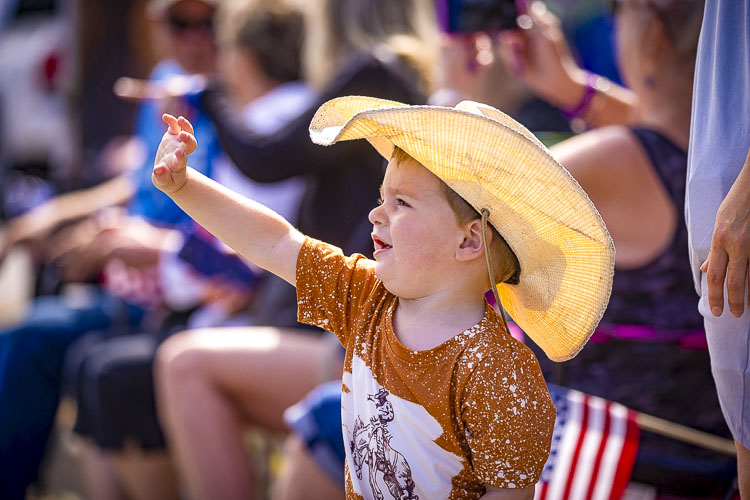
(439, 423)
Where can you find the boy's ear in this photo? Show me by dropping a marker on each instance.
(471, 247)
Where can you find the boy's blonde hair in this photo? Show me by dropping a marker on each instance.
(504, 261)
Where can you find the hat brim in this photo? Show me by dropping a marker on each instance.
(564, 249)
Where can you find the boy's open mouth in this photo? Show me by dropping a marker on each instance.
(380, 245)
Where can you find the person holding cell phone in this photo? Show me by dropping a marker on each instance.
(650, 351)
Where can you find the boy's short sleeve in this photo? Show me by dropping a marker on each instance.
(331, 287)
(509, 418)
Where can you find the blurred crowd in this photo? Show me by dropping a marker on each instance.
(170, 347)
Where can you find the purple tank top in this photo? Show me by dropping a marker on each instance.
(659, 295)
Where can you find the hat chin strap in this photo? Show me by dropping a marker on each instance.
(493, 283)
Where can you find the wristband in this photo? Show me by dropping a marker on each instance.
(584, 104)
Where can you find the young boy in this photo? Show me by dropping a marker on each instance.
(438, 400)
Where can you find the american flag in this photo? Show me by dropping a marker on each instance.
(593, 448)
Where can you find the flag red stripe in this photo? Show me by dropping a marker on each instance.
(581, 436)
(600, 451)
(543, 493)
(627, 458)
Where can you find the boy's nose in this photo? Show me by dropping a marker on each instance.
(376, 215)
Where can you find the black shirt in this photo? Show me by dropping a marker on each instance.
(343, 180)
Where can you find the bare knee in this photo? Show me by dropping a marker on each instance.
(178, 360)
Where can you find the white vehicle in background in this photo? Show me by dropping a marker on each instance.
(36, 67)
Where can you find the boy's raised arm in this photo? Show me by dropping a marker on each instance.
(253, 230)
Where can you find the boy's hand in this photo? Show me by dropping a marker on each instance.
(170, 166)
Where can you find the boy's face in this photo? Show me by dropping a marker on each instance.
(415, 231)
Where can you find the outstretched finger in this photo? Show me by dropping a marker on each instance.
(174, 127)
(736, 279)
(189, 144)
(180, 161)
(185, 124)
(715, 274)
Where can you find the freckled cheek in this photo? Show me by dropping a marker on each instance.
(422, 258)
(412, 243)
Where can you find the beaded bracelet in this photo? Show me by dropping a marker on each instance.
(585, 103)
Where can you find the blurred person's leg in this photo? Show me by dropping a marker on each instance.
(98, 472)
(314, 453)
(743, 469)
(301, 477)
(146, 474)
(31, 358)
(212, 383)
(113, 386)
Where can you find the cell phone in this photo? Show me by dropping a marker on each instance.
(472, 16)
(212, 262)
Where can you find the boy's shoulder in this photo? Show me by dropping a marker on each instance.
(488, 347)
(501, 375)
(492, 334)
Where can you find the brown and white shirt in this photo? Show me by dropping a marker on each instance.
(438, 423)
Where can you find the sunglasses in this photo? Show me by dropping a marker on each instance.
(181, 25)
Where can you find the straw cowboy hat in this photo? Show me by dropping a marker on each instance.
(565, 252)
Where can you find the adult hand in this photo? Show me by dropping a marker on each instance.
(227, 296)
(30, 229)
(172, 93)
(134, 89)
(73, 250)
(170, 166)
(539, 54)
(134, 241)
(84, 249)
(463, 59)
(729, 255)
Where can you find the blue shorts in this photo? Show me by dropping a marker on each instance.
(729, 346)
(316, 420)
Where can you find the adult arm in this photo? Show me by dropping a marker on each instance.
(289, 151)
(253, 230)
(539, 54)
(40, 222)
(82, 250)
(730, 248)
